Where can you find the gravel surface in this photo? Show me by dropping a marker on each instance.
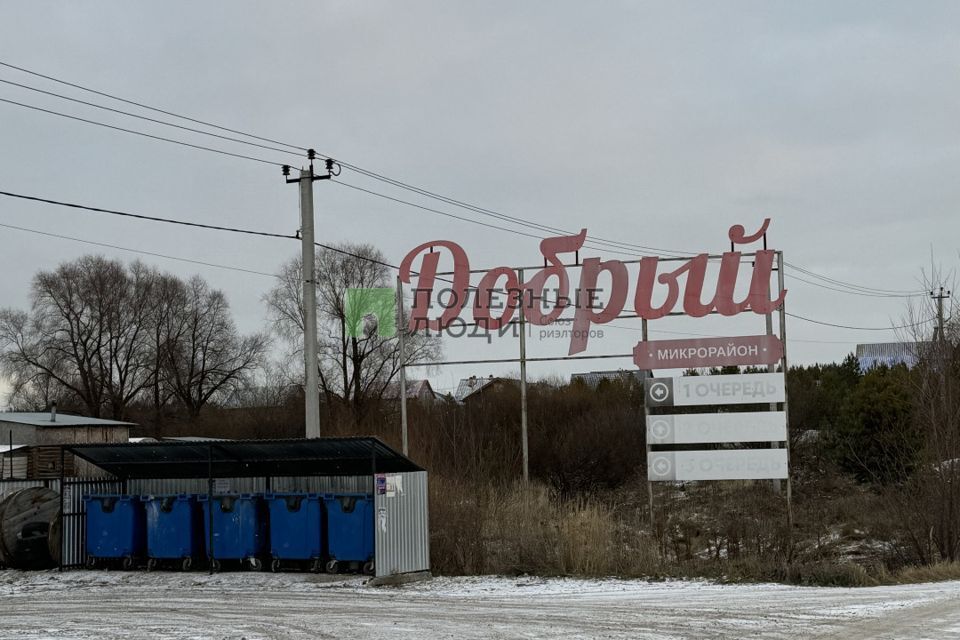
(90, 604)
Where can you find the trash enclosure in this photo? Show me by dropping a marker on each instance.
(334, 504)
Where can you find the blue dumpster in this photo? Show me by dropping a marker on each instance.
(116, 529)
(174, 529)
(349, 530)
(296, 528)
(239, 528)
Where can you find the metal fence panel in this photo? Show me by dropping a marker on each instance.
(167, 486)
(401, 523)
(323, 484)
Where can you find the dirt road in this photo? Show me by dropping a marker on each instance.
(85, 605)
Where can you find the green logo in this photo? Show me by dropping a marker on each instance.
(362, 303)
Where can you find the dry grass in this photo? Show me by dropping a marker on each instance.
(515, 529)
(929, 573)
(732, 534)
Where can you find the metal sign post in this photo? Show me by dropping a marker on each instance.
(401, 326)
(786, 410)
(646, 416)
(523, 389)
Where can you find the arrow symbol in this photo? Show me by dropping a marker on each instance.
(659, 392)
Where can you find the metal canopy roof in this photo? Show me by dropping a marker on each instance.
(246, 458)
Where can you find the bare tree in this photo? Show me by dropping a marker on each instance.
(168, 292)
(203, 355)
(353, 369)
(926, 504)
(104, 336)
(932, 498)
(86, 332)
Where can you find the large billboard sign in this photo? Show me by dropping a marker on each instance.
(722, 464)
(696, 428)
(689, 391)
(548, 292)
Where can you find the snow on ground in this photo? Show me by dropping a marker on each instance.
(84, 605)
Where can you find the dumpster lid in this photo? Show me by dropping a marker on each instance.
(359, 456)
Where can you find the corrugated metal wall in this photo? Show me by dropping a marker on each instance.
(9, 486)
(164, 486)
(329, 484)
(401, 523)
(346, 484)
(15, 467)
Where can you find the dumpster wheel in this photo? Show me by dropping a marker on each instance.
(275, 565)
(151, 564)
(256, 564)
(91, 562)
(333, 566)
(316, 565)
(127, 563)
(186, 563)
(369, 567)
(214, 564)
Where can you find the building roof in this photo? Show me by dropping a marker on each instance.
(593, 378)
(246, 458)
(6, 448)
(472, 385)
(42, 419)
(415, 388)
(888, 354)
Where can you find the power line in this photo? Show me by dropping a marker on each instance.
(149, 108)
(843, 326)
(713, 335)
(462, 218)
(138, 216)
(844, 286)
(853, 292)
(851, 285)
(139, 251)
(331, 248)
(358, 169)
(366, 172)
(143, 134)
(386, 179)
(154, 120)
(636, 248)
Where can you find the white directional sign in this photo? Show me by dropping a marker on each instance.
(748, 388)
(752, 426)
(726, 464)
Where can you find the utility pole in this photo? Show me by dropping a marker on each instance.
(939, 334)
(310, 361)
(525, 447)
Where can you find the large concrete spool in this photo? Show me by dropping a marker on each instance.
(29, 529)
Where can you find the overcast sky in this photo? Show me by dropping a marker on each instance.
(660, 124)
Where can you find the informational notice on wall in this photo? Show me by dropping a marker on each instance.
(381, 484)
